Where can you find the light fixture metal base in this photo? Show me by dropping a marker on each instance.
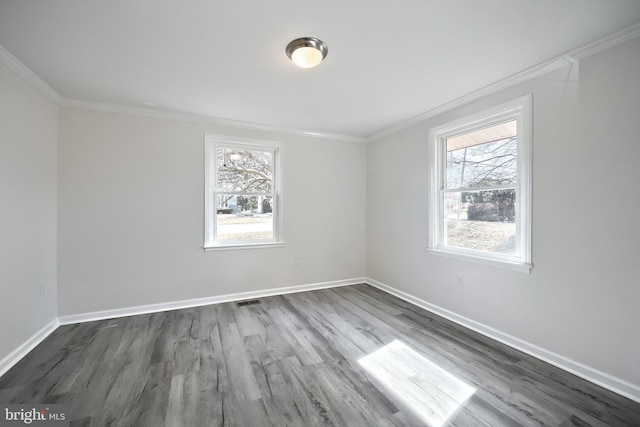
(306, 42)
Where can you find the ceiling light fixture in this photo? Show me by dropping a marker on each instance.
(307, 52)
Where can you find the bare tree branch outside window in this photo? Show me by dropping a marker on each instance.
(244, 194)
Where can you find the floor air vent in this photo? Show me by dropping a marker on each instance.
(249, 302)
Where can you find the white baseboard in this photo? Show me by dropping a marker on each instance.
(175, 305)
(617, 385)
(14, 357)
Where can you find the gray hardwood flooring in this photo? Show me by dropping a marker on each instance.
(350, 356)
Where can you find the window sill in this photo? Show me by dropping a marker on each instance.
(244, 246)
(498, 263)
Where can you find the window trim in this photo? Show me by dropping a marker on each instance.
(520, 110)
(211, 144)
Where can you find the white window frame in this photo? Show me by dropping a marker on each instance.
(211, 144)
(520, 110)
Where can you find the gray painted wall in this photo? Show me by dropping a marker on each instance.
(28, 211)
(130, 207)
(131, 200)
(581, 299)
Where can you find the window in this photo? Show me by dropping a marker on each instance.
(480, 198)
(242, 202)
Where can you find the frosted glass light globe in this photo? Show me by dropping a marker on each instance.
(306, 57)
(306, 52)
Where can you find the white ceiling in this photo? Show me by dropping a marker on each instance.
(388, 61)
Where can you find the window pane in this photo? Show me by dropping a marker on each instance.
(248, 171)
(244, 218)
(477, 159)
(481, 220)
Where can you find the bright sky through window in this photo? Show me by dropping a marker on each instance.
(243, 197)
(480, 186)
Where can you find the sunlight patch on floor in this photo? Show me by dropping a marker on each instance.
(432, 393)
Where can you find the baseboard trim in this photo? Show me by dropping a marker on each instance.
(16, 355)
(616, 385)
(196, 302)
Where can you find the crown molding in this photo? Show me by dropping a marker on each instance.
(570, 57)
(14, 64)
(510, 81)
(520, 77)
(202, 119)
(607, 42)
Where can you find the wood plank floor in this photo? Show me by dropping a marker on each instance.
(350, 356)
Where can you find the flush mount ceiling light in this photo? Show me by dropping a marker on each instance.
(307, 52)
